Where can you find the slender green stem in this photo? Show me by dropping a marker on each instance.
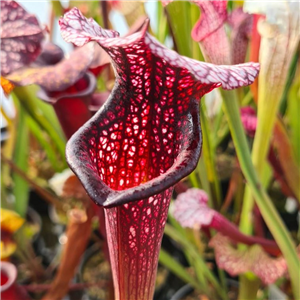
(201, 171)
(246, 213)
(169, 262)
(289, 82)
(263, 201)
(57, 8)
(222, 277)
(247, 99)
(209, 160)
(217, 123)
(221, 134)
(262, 139)
(162, 23)
(181, 27)
(248, 288)
(21, 188)
(8, 150)
(188, 246)
(198, 272)
(195, 13)
(49, 149)
(194, 179)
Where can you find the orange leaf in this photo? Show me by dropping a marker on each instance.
(10, 221)
(7, 249)
(7, 86)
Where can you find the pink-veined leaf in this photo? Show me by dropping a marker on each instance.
(254, 259)
(241, 24)
(210, 32)
(56, 77)
(21, 37)
(213, 16)
(191, 210)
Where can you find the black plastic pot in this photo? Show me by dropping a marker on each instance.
(45, 239)
(183, 292)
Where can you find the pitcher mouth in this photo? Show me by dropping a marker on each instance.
(85, 86)
(80, 161)
(10, 271)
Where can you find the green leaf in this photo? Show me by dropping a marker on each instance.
(208, 155)
(198, 263)
(57, 8)
(162, 23)
(47, 110)
(30, 103)
(43, 140)
(289, 82)
(181, 26)
(21, 188)
(169, 262)
(293, 110)
(195, 14)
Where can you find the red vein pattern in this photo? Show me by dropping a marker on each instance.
(144, 139)
(139, 228)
